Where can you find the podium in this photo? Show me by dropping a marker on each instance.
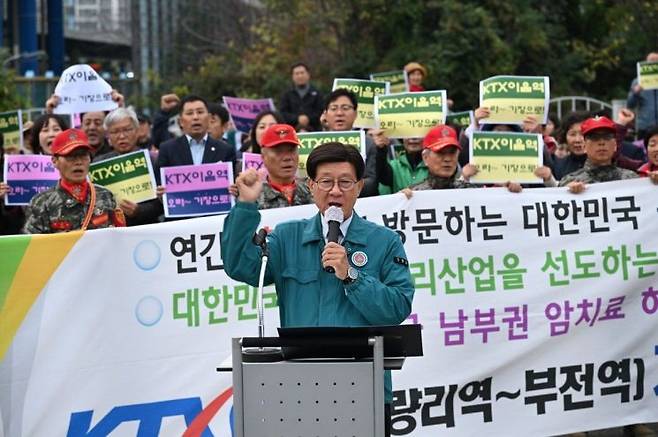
(317, 381)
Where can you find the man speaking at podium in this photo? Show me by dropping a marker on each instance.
(369, 283)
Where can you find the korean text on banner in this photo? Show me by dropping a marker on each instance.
(195, 190)
(410, 115)
(365, 91)
(512, 98)
(128, 176)
(538, 310)
(311, 140)
(11, 128)
(243, 112)
(461, 119)
(27, 176)
(398, 80)
(81, 89)
(647, 75)
(505, 156)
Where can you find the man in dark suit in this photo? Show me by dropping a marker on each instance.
(195, 146)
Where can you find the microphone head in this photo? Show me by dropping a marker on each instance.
(335, 214)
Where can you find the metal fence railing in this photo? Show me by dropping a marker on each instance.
(563, 105)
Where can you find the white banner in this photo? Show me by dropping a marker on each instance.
(81, 89)
(538, 311)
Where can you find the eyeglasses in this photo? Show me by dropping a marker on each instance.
(327, 184)
(344, 108)
(126, 131)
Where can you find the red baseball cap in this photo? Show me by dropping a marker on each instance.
(440, 137)
(279, 134)
(594, 123)
(69, 140)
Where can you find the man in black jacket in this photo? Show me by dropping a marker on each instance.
(302, 105)
(195, 146)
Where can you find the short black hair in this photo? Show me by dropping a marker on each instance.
(335, 152)
(220, 111)
(568, 121)
(255, 147)
(653, 131)
(339, 92)
(191, 98)
(143, 118)
(39, 123)
(299, 64)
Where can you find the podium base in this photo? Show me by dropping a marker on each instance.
(261, 355)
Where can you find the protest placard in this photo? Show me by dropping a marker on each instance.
(27, 176)
(538, 314)
(506, 156)
(398, 80)
(365, 91)
(128, 176)
(255, 161)
(647, 75)
(195, 190)
(310, 140)
(512, 98)
(243, 112)
(11, 127)
(81, 89)
(461, 119)
(410, 115)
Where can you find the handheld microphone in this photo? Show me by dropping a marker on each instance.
(260, 237)
(334, 216)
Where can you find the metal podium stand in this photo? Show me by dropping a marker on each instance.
(277, 393)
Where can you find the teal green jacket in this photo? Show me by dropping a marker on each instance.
(404, 175)
(309, 296)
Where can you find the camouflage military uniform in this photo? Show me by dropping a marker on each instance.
(438, 183)
(271, 198)
(55, 210)
(591, 174)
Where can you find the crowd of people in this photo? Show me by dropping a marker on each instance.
(580, 149)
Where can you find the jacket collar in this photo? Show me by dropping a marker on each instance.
(356, 234)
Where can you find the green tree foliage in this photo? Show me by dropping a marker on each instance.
(10, 98)
(587, 47)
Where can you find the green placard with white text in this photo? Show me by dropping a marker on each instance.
(647, 75)
(502, 156)
(513, 98)
(410, 115)
(365, 91)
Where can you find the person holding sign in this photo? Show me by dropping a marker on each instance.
(196, 146)
(74, 203)
(600, 147)
(399, 173)
(645, 102)
(122, 127)
(339, 115)
(441, 152)
(369, 282)
(281, 158)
